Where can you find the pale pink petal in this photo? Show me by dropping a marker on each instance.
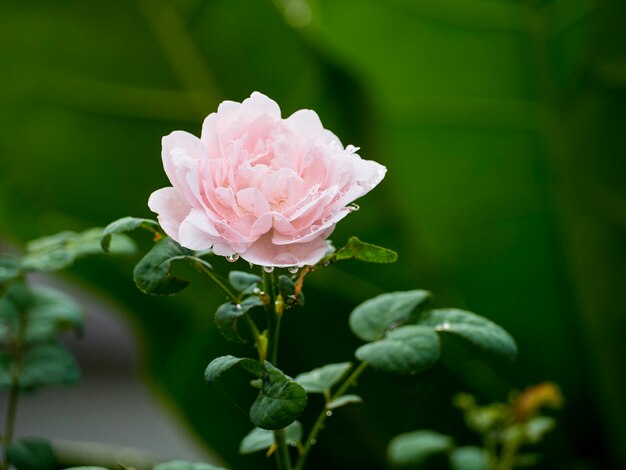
(270, 189)
(259, 104)
(265, 253)
(175, 147)
(253, 201)
(171, 209)
(305, 122)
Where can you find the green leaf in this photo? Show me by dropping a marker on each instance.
(228, 314)
(152, 273)
(49, 311)
(415, 448)
(86, 468)
(468, 458)
(183, 465)
(405, 350)
(370, 320)
(279, 403)
(287, 290)
(343, 401)
(9, 270)
(356, 249)
(127, 224)
(221, 364)
(538, 427)
(32, 454)
(260, 439)
(61, 250)
(243, 281)
(478, 330)
(321, 380)
(43, 365)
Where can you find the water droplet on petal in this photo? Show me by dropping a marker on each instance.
(329, 413)
(293, 269)
(268, 269)
(352, 207)
(314, 228)
(232, 258)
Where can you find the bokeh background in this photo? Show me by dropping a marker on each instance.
(501, 123)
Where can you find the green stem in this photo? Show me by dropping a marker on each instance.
(319, 423)
(223, 287)
(507, 459)
(14, 395)
(282, 452)
(275, 338)
(283, 461)
(273, 320)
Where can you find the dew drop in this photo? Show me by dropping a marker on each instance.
(251, 265)
(238, 306)
(292, 444)
(256, 291)
(352, 207)
(313, 442)
(293, 269)
(232, 258)
(445, 326)
(268, 269)
(329, 413)
(314, 228)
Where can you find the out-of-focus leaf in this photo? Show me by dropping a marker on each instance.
(261, 439)
(32, 454)
(468, 458)
(9, 269)
(321, 379)
(44, 364)
(413, 449)
(51, 312)
(343, 401)
(127, 224)
(184, 465)
(61, 250)
(370, 320)
(473, 328)
(405, 350)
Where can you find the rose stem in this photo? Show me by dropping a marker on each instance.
(319, 423)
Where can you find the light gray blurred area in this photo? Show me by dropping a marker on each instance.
(112, 403)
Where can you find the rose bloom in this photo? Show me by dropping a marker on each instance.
(259, 187)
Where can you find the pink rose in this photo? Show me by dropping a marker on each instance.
(254, 185)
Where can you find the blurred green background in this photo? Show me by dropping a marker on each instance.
(501, 123)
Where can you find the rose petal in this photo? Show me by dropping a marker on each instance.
(265, 253)
(171, 209)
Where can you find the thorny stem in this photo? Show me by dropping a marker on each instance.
(319, 423)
